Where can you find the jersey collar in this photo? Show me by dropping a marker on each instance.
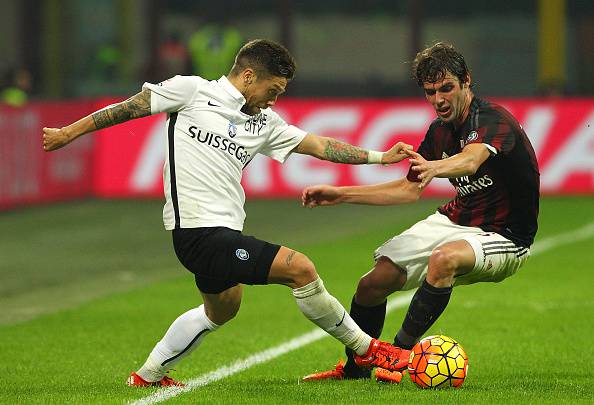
(232, 90)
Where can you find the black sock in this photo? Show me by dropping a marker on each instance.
(371, 321)
(425, 307)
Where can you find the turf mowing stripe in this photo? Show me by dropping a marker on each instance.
(223, 372)
(583, 233)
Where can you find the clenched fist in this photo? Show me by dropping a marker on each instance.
(54, 138)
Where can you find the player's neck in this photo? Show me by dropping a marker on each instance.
(237, 82)
(465, 111)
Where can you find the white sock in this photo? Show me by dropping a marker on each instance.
(183, 336)
(325, 311)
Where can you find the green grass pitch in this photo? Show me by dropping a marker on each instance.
(87, 289)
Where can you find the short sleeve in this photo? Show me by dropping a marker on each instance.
(172, 94)
(495, 132)
(283, 138)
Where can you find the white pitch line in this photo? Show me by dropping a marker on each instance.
(258, 358)
(583, 233)
(269, 354)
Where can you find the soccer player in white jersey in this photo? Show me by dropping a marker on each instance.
(214, 129)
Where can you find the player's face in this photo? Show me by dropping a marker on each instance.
(263, 92)
(449, 97)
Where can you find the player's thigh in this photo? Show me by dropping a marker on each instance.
(456, 257)
(496, 258)
(291, 268)
(220, 257)
(410, 250)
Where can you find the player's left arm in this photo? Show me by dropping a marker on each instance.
(465, 163)
(136, 106)
(333, 150)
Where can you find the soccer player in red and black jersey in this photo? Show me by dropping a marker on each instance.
(483, 235)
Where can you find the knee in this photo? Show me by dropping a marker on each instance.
(378, 284)
(368, 292)
(302, 270)
(443, 263)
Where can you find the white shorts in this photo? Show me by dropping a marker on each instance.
(496, 257)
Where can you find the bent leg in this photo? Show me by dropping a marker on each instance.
(448, 261)
(222, 307)
(375, 286)
(187, 332)
(368, 307)
(291, 268)
(445, 263)
(295, 270)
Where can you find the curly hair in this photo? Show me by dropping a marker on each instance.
(435, 62)
(266, 57)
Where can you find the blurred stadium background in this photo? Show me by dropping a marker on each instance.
(83, 224)
(353, 82)
(65, 58)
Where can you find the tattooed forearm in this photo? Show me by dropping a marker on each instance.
(136, 106)
(340, 152)
(290, 257)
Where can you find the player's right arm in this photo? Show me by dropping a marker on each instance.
(400, 191)
(394, 192)
(139, 105)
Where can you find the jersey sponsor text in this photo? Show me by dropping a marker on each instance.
(221, 143)
(464, 186)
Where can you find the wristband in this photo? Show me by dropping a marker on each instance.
(374, 156)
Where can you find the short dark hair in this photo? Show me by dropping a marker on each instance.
(266, 57)
(433, 63)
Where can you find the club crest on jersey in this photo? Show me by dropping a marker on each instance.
(232, 130)
(472, 137)
(242, 254)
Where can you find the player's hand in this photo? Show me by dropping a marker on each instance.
(320, 195)
(425, 169)
(396, 153)
(54, 138)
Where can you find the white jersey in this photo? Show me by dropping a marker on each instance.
(209, 142)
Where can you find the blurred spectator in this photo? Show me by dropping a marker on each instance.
(107, 59)
(16, 86)
(213, 50)
(174, 58)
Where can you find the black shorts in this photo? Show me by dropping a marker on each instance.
(220, 258)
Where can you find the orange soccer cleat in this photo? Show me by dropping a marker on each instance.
(335, 374)
(384, 355)
(386, 376)
(136, 381)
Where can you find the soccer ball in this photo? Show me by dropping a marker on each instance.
(438, 362)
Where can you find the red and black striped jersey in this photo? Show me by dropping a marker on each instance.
(502, 196)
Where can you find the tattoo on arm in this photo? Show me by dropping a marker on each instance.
(340, 152)
(139, 105)
(289, 258)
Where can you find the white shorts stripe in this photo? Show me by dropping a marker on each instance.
(496, 256)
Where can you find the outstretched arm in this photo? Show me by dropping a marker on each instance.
(333, 150)
(136, 106)
(395, 192)
(465, 163)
